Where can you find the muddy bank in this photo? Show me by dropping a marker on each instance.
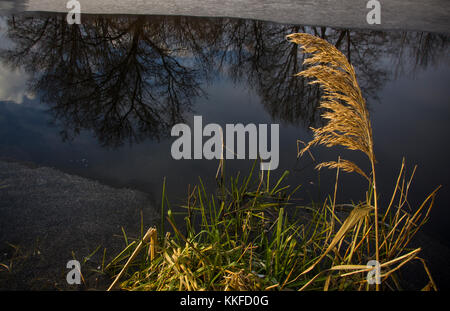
(51, 216)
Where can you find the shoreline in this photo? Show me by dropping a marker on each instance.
(52, 216)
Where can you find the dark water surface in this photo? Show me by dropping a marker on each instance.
(99, 100)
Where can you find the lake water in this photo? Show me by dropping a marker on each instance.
(99, 100)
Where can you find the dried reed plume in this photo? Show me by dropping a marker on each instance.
(349, 123)
(345, 108)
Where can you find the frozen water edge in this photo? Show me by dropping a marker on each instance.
(432, 16)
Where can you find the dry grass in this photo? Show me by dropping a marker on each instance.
(255, 236)
(349, 126)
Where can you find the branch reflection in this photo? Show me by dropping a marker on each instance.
(129, 78)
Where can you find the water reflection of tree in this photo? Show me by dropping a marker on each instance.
(128, 78)
(121, 77)
(418, 50)
(258, 52)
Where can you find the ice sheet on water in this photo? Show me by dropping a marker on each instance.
(396, 14)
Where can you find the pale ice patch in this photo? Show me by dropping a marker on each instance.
(396, 14)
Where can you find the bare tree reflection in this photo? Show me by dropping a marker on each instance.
(123, 78)
(270, 63)
(258, 52)
(131, 78)
(418, 50)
